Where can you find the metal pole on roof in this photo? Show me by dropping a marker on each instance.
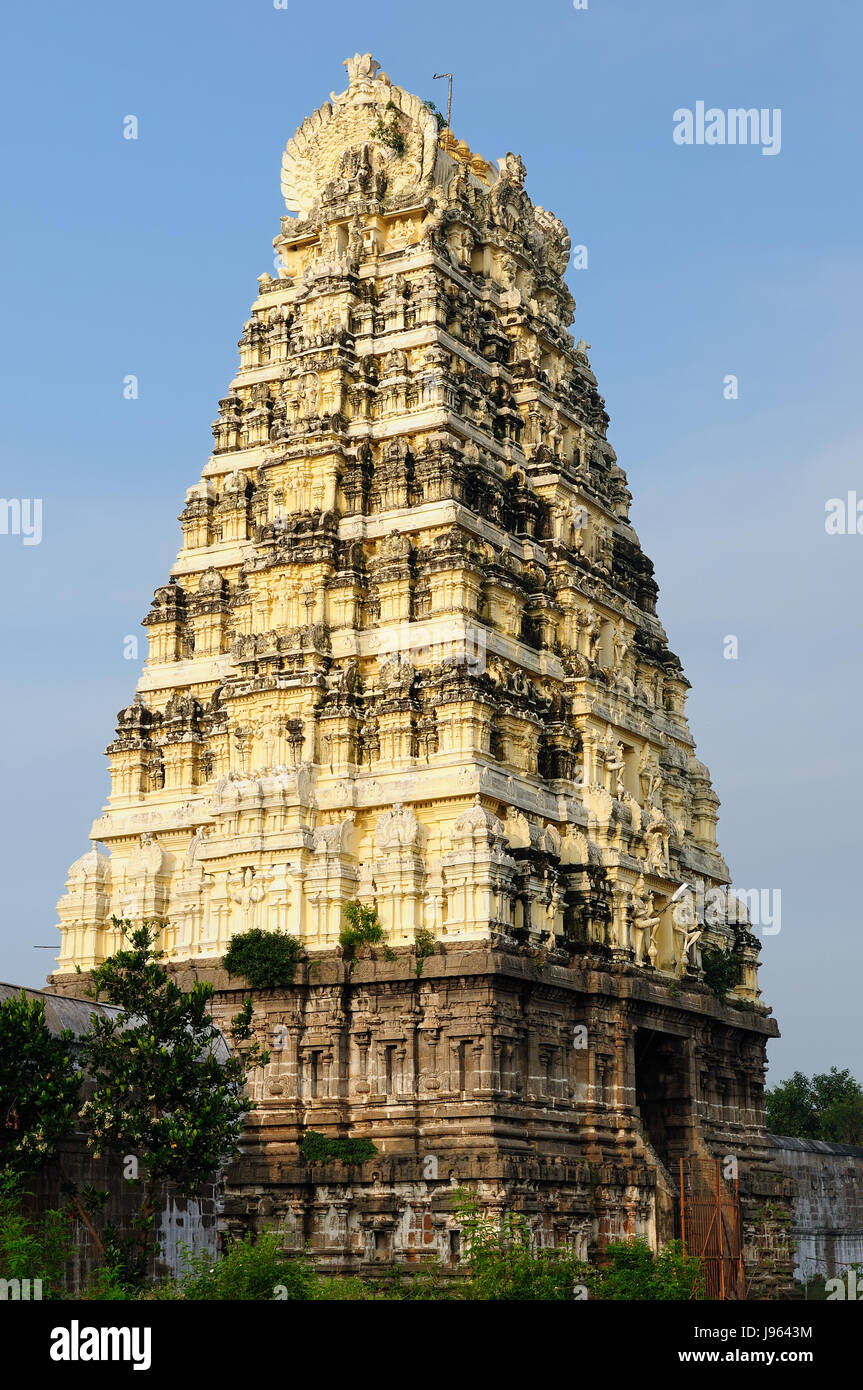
(436, 75)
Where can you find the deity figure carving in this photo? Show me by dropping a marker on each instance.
(645, 922)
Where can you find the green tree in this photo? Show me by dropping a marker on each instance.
(790, 1108)
(39, 1084)
(162, 1091)
(829, 1106)
(842, 1120)
(833, 1086)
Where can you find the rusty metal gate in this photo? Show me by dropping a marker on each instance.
(710, 1225)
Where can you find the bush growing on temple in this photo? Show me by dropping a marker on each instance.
(266, 959)
(721, 970)
(363, 927)
(424, 946)
(318, 1148)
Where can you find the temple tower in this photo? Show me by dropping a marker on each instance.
(409, 654)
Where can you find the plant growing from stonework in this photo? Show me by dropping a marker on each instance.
(320, 1148)
(424, 946)
(721, 970)
(161, 1090)
(440, 118)
(362, 928)
(265, 959)
(390, 135)
(39, 1084)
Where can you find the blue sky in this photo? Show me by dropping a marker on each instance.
(141, 257)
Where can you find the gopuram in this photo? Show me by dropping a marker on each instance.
(409, 656)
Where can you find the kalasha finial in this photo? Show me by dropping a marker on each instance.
(361, 68)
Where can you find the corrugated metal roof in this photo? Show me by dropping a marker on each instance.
(75, 1014)
(814, 1146)
(60, 1011)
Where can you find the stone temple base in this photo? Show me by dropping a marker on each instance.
(568, 1087)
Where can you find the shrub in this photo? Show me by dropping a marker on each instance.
(318, 1148)
(31, 1247)
(345, 1288)
(363, 927)
(255, 1268)
(107, 1285)
(635, 1273)
(266, 959)
(429, 1283)
(502, 1263)
(721, 970)
(424, 947)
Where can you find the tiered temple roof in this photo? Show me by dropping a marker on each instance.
(409, 650)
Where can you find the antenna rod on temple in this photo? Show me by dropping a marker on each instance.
(436, 75)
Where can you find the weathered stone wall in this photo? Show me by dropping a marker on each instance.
(565, 1088)
(180, 1221)
(828, 1209)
